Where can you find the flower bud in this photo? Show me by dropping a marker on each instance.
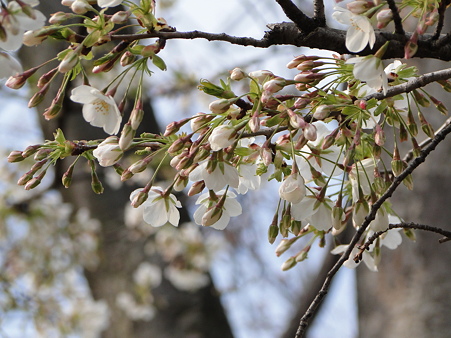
(273, 230)
(196, 188)
(303, 254)
(274, 85)
(139, 198)
(127, 58)
(15, 156)
(261, 75)
(59, 17)
(212, 215)
(127, 135)
(219, 106)
(30, 38)
(120, 17)
(67, 176)
(237, 74)
(321, 112)
(384, 17)
(358, 7)
(69, 61)
(310, 132)
(289, 263)
(80, 7)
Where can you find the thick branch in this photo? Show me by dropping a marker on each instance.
(369, 218)
(411, 225)
(302, 21)
(287, 33)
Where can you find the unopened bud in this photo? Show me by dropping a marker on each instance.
(127, 135)
(273, 230)
(120, 17)
(384, 17)
(237, 74)
(196, 188)
(289, 263)
(321, 112)
(69, 61)
(139, 198)
(15, 156)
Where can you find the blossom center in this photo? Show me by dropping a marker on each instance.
(101, 106)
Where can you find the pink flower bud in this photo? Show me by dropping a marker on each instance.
(237, 74)
(219, 106)
(384, 17)
(120, 17)
(196, 188)
(310, 132)
(274, 85)
(358, 7)
(321, 112)
(261, 75)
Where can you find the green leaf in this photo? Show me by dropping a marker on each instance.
(242, 151)
(157, 61)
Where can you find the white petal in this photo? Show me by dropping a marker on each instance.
(82, 94)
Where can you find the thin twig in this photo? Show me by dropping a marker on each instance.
(447, 234)
(396, 17)
(302, 21)
(368, 219)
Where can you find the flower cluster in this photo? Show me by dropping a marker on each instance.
(321, 142)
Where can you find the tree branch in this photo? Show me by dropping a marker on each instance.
(368, 219)
(319, 14)
(396, 17)
(447, 234)
(410, 85)
(302, 21)
(441, 20)
(287, 33)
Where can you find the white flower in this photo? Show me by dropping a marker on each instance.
(248, 178)
(222, 175)
(132, 309)
(292, 188)
(320, 159)
(109, 3)
(9, 66)
(350, 263)
(318, 215)
(159, 210)
(370, 69)
(360, 32)
(99, 109)
(231, 208)
(362, 175)
(108, 152)
(186, 280)
(221, 137)
(147, 275)
(16, 22)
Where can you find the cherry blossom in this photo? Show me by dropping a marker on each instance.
(222, 137)
(361, 176)
(292, 188)
(313, 156)
(370, 69)
(108, 152)
(99, 109)
(9, 66)
(159, 209)
(230, 208)
(360, 32)
(223, 174)
(16, 22)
